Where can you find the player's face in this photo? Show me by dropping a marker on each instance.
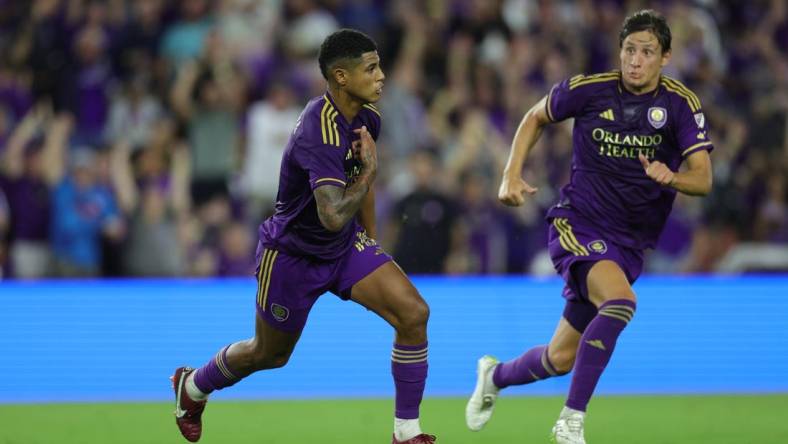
(642, 60)
(365, 80)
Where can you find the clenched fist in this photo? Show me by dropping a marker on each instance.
(657, 171)
(512, 191)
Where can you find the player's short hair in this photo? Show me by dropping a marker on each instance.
(647, 20)
(343, 44)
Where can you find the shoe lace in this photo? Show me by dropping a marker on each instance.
(575, 424)
(427, 439)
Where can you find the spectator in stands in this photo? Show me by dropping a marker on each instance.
(269, 124)
(133, 113)
(85, 84)
(424, 220)
(207, 97)
(83, 210)
(236, 251)
(154, 198)
(184, 40)
(31, 166)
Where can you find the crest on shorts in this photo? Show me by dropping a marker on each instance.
(279, 312)
(598, 246)
(700, 119)
(657, 116)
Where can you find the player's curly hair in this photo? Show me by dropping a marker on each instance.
(343, 44)
(647, 20)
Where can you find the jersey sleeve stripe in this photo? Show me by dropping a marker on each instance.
(590, 81)
(691, 98)
(332, 137)
(683, 87)
(331, 179)
(590, 78)
(372, 108)
(323, 121)
(680, 87)
(547, 105)
(582, 78)
(686, 97)
(334, 127)
(693, 147)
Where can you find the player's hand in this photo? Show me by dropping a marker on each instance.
(366, 152)
(657, 171)
(512, 191)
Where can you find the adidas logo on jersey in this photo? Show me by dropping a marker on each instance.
(608, 114)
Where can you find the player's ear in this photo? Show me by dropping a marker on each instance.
(665, 57)
(340, 76)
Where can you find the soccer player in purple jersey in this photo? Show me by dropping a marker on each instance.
(632, 130)
(321, 238)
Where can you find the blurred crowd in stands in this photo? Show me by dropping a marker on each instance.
(143, 137)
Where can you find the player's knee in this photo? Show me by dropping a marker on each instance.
(415, 316)
(278, 361)
(562, 360)
(420, 314)
(265, 362)
(264, 359)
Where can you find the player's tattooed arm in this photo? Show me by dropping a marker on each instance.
(336, 206)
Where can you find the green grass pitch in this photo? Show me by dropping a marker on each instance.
(612, 420)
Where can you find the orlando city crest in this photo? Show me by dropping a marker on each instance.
(279, 312)
(657, 116)
(598, 246)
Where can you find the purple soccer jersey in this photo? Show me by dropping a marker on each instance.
(611, 127)
(318, 153)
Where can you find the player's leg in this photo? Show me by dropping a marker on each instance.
(390, 294)
(277, 330)
(269, 348)
(554, 359)
(538, 363)
(608, 289)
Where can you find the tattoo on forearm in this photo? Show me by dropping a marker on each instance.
(336, 206)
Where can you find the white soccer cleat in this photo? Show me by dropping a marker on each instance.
(569, 429)
(480, 406)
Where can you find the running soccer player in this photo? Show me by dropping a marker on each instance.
(321, 238)
(632, 130)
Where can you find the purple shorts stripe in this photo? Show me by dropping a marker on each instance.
(289, 285)
(574, 241)
(575, 245)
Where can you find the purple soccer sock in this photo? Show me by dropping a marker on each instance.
(532, 366)
(409, 368)
(215, 374)
(595, 348)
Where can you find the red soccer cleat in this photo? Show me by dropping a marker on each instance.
(188, 412)
(420, 439)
